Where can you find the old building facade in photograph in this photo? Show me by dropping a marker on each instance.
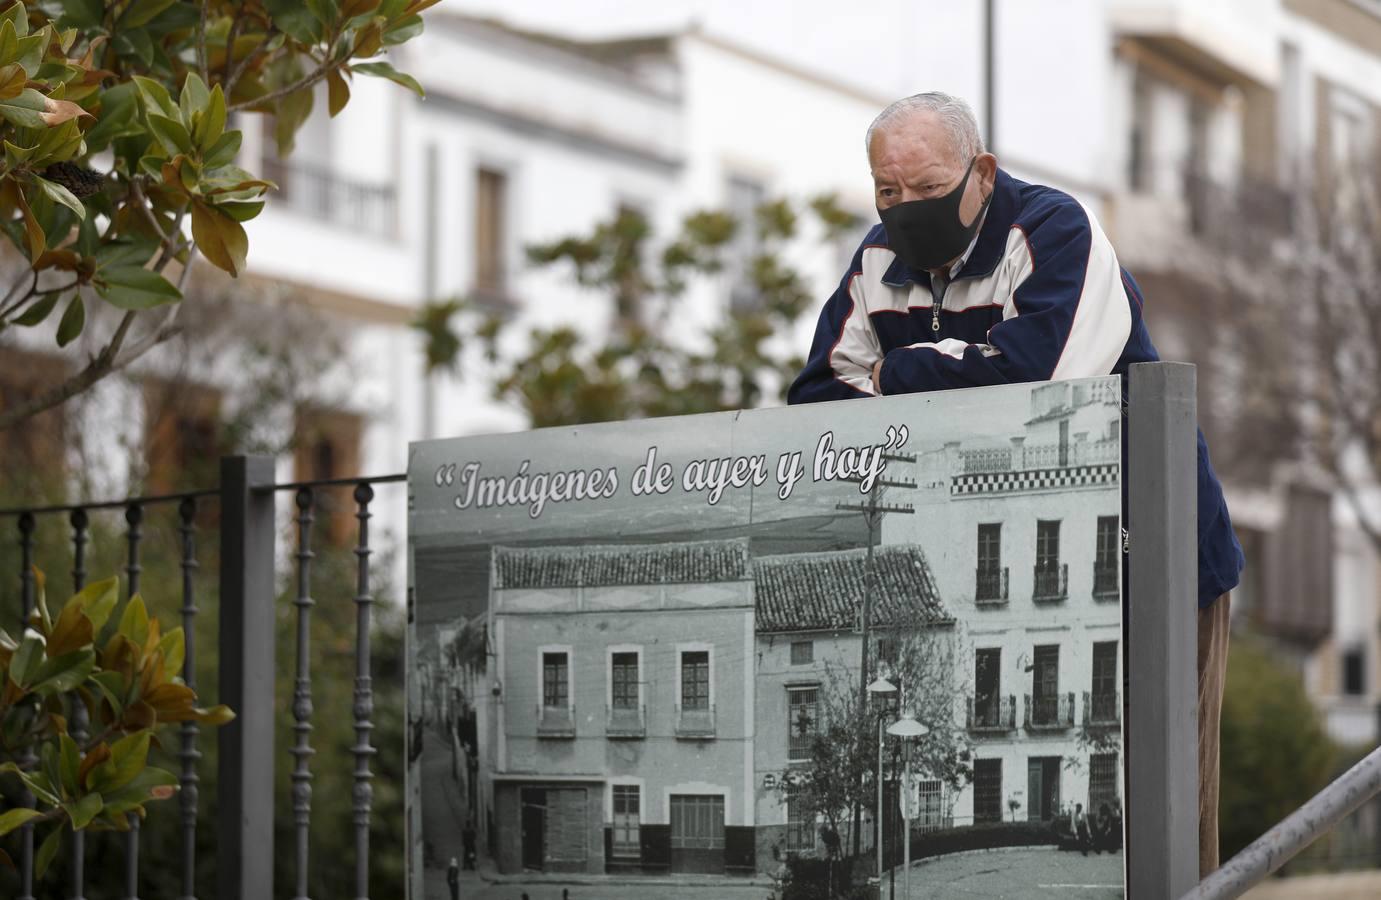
(1027, 540)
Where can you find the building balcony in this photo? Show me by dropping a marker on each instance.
(695, 723)
(1051, 583)
(1102, 709)
(993, 460)
(995, 715)
(555, 721)
(1054, 712)
(625, 721)
(319, 193)
(990, 587)
(1106, 582)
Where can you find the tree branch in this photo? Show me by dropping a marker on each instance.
(305, 81)
(201, 46)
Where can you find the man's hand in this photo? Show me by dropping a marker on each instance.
(877, 378)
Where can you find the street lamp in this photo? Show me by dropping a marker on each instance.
(882, 690)
(908, 729)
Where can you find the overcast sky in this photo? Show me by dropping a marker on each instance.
(887, 46)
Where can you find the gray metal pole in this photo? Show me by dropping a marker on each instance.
(1162, 815)
(1293, 833)
(244, 768)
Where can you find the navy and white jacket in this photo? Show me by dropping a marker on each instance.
(1041, 296)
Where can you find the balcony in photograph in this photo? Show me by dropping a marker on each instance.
(1102, 708)
(1051, 583)
(1050, 712)
(695, 723)
(629, 722)
(990, 587)
(992, 715)
(1106, 581)
(555, 721)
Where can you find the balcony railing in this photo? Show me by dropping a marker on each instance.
(995, 715)
(1051, 583)
(318, 192)
(1052, 712)
(1101, 709)
(990, 586)
(1106, 583)
(625, 721)
(695, 722)
(1042, 456)
(555, 721)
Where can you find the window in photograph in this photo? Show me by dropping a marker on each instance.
(1049, 575)
(887, 650)
(987, 682)
(1354, 672)
(697, 822)
(987, 790)
(989, 571)
(1105, 580)
(695, 679)
(802, 652)
(800, 827)
(803, 722)
(1045, 685)
(1103, 697)
(930, 815)
(555, 680)
(627, 815)
(1043, 788)
(1102, 782)
(624, 677)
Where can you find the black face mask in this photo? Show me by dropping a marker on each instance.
(926, 234)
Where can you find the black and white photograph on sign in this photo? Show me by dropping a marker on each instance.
(840, 650)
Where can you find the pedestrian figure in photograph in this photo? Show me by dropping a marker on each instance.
(467, 838)
(1081, 830)
(976, 278)
(453, 878)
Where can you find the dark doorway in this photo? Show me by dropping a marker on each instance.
(1043, 788)
(534, 803)
(697, 833)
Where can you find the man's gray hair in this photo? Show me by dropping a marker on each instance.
(954, 114)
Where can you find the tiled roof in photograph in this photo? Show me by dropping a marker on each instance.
(821, 591)
(610, 565)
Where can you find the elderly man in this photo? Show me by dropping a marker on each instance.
(976, 278)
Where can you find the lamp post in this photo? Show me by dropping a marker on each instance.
(882, 690)
(908, 729)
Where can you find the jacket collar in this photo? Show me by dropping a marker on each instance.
(992, 239)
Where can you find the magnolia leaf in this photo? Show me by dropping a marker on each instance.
(58, 111)
(368, 41)
(39, 311)
(33, 232)
(173, 646)
(14, 818)
(222, 152)
(155, 96)
(71, 631)
(221, 239)
(59, 194)
(135, 287)
(18, 17)
(36, 782)
(27, 659)
(26, 109)
(404, 31)
(12, 80)
(384, 70)
(93, 758)
(73, 320)
(84, 810)
(47, 851)
(141, 12)
(64, 260)
(194, 97)
(64, 673)
(152, 783)
(171, 134)
(69, 763)
(242, 212)
(338, 92)
(210, 126)
(219, 714)
(128, 756)
(97, 600)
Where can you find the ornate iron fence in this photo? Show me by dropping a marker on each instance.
(245, 814)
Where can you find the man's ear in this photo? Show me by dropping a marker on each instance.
(986, 167)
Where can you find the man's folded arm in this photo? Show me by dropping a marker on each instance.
(840, 365)
(1068, 317)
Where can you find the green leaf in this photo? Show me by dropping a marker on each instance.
(141, 12)
(242, 212)
(134, 623)
(137, 43)
(194, 96)
(141, 787)
(223, 151)
(210, 126)
(384, 70)
(112, 686)
(173, 645)
(171, 134)
(155, 96)
(47, 851)
(18, 17)
(135, 287)
(128, 756)
(82, 13)
(14, 818)
(404, 31)
(84, 810)
(36, 782)
(73, 320)
(40, 310)
(52, 765)
(64, 673)
(69, 762)
(126, 250)
(119, 117)
(294, 19)
(27, 659)
(97, 600)
(60, 194)
(292, 111)
(26, 110)
(221, 239)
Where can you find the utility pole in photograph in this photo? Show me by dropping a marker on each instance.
(873, 510)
